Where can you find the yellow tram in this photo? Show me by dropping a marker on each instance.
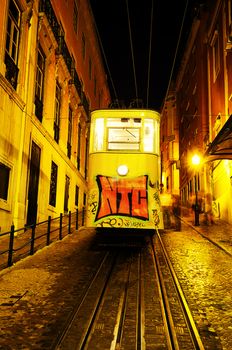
(124, 171)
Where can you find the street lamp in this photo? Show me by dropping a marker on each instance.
(196, 160)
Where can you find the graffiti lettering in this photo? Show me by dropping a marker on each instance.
(157, 198)
(119, 222)
(111, 223)
(122, 197)
(93, 207)
(156, 218)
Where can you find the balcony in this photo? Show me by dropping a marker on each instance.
(46, 7)
(77, 82)
(62, 49)
(85, 103)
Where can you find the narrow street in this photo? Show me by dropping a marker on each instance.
(38, 292)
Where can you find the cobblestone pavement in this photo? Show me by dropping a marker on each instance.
(205, 274)
(38, 291)
(220, 232)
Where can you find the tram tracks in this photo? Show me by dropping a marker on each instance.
(180, 327)
(133, 302)
(77, 328)
(108, 308)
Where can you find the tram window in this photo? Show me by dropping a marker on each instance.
(156, 137)
(98, 135)
(123, 138)
(148, 138)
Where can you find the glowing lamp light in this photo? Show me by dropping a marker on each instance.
(122, 170)
(196, 159)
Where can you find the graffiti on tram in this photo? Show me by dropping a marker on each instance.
(127, 197)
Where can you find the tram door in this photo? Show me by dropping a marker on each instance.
(33, 184)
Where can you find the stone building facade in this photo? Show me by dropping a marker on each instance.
(51, 76)
(203, 89)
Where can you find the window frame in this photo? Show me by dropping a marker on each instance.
(5, 183)
(66, 193)
(57, 112)
(39, 83)
(130, 142)
(12, 43)
(41, 70)
(77, 193)
(53, 185)
(79, 135)
(70, 129)
(5, 204)
(10, 32)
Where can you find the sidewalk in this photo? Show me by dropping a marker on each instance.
(220, 232)
(37, 293)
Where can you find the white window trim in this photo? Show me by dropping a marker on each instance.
(6, 204)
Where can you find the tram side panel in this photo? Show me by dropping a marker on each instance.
(128, 202)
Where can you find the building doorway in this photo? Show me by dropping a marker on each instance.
(66, 193)
(33, 184)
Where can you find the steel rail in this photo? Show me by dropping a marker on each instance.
(141, 309)
(85, 337)
(197, 342)
(118, 329)
(119, 341)
(69, 322)
(163, 299)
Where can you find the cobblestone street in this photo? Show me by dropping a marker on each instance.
(39, 290)
(205, 273)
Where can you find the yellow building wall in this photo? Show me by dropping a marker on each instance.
(222, 190)
(19, 126)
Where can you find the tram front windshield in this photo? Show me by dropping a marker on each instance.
(125, 134)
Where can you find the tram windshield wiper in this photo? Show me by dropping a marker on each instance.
(130, 133)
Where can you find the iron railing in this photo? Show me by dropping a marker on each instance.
(17, 244)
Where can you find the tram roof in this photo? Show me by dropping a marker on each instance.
(106, 112)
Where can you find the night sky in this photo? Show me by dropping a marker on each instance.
(112, 23)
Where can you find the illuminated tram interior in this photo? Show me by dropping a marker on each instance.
(125, 134)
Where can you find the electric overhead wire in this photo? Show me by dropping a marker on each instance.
(177, 48)
(149, 58)
(132, 52)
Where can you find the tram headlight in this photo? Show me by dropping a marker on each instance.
(122, 170)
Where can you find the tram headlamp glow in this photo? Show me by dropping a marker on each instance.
(122, 170)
